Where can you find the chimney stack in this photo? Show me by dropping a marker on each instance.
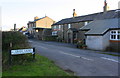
(105, 8)
(74, 14)
(35, 18)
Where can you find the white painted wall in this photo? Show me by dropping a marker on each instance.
(106, 40)
(94, 42)
(98, 42)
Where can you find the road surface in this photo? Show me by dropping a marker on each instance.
(81, 62)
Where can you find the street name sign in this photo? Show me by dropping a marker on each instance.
(21, 51)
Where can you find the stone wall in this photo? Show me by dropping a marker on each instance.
(114, 46)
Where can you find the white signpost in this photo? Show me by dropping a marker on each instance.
(21, 51)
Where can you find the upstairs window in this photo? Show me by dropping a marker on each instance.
(54, 27)
(115, 35)
(59, 27)
(69, 26)
(86, 23)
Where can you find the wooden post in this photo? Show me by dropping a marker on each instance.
(10, 59)
(10, 56)
(10, 45)
(14, 27)
(34, 53)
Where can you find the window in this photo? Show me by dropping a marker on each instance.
(59, 26)
(32, 24)
(86, 23)
(69, 26)
(75, 35)
(54, 33)
(54, 27)
(115, 35)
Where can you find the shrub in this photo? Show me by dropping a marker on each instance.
(19, 41)
(16, 38)
(75, 40)
(81, 44)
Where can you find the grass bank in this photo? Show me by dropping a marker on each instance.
(111, 54)
(39, 67)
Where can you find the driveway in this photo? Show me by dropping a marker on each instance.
(81, 62)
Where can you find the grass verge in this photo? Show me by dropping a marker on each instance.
(40, 67)
(111, 54)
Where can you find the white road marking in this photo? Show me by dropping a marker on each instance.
(75, 55)
(43, 47)
(69, 54)
(110, 59)
(87, 58)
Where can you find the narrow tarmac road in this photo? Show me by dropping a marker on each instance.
(81, 62)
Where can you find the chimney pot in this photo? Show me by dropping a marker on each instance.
(74, 14)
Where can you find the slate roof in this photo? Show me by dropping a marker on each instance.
(37, 19)
(99, 27)
(96, 16)
(38, 28)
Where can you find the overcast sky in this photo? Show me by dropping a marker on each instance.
(22, 11)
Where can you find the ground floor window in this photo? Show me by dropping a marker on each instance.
(54, 33)
(115, 35)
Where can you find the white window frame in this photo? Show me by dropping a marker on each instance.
(54, 33)
(69, 26)
(86, 23)
(114, 33)
(59, 26)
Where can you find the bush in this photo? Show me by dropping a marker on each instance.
(75, 40)
(81, 44)
(19, 41)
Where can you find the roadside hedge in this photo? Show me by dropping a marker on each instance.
(19, 41)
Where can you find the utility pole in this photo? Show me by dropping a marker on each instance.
(63, 32)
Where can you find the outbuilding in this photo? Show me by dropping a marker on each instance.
(103, 34)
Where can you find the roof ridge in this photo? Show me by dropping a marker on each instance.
(100, 15)
(91, 14)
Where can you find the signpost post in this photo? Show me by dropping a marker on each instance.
(10, 59)
(21, 51)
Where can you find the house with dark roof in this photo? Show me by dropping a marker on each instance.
(103, 34)
(36, 27)
(68, 29)
(71, 29)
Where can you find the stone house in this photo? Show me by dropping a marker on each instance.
(36, 27)
(67, 30)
